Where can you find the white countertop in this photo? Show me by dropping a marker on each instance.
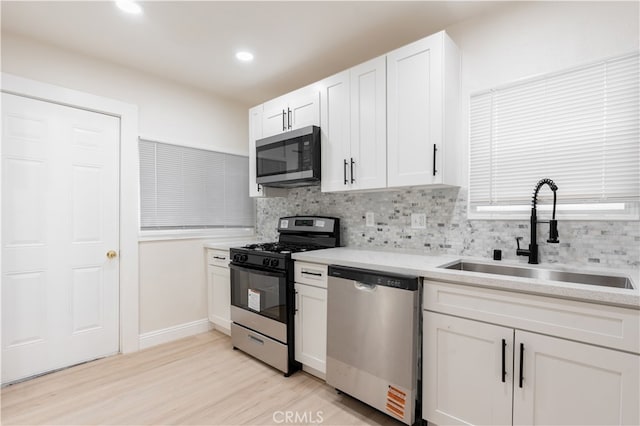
(428, 266)
(226, 244)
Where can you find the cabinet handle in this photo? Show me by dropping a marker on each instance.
(289, 117)
(345, 172)
(504, 371)
(219, 258)
(435, 149)
(315, 274)
(283, 125)
(352, 163)
(259, 187)
(295, 303)
(521, 363)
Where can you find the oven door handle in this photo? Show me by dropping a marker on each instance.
(258, 271)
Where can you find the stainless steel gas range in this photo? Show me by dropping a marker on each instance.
(262, 289)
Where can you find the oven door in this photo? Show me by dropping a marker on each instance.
(260, 292)
(259, 301)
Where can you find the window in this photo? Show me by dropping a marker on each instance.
(579, 127)
(188, 188)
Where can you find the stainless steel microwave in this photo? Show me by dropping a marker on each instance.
(289, 159)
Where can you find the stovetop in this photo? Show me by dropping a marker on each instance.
(297, 234)
(280, 247)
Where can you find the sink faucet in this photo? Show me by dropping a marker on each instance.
(532, 252)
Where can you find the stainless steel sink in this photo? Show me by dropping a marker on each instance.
(544, 274)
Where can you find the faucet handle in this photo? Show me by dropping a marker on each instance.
(519, 251)
(553, 232)
(518, 242)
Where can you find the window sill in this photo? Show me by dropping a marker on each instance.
(193, 234)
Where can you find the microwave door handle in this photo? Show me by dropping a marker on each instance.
(289, 117)
(283, 125)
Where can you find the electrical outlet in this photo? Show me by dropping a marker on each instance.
(370, 219)
(418, 220)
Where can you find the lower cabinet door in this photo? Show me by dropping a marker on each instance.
(565, 382)
(311, 327)
(219, 292)
(467, 371)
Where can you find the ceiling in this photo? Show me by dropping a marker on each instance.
(194, 42)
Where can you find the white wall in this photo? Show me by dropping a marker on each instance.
(526, 39)
(169, 112)
(172, 273)
(172, 283)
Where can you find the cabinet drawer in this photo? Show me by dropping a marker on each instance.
(609, 326)
(218, 257)
(311, 273)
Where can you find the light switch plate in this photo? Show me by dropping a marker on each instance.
(370, 219)
(418, 220)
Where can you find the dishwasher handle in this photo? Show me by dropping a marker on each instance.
(364, 287)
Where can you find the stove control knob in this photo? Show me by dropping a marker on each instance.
(274, 262)
(236, 257)
(265, 261)
(243, 258)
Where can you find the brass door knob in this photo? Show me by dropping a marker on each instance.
(111, 254)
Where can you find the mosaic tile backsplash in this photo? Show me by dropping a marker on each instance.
(610, 244)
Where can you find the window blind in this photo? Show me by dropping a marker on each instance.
(189, 188)
(579, 127)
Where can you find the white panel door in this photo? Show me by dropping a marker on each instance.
(311, 326)
(569, 383)
(463, 381)
(414, 111)
(59, 220)
(304, 108)
(335, 133)
(274, 117)
(369, 124)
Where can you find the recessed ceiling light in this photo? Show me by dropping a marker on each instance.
(244, 56)
(129, 6)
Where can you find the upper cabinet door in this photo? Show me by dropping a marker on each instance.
(274, 117)
(292, 111)
(335, 132)
(368, 160)
(414, 96)
(423, 91)
(303, 108)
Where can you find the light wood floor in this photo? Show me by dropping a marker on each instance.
(199, 380)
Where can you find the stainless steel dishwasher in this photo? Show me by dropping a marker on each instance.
(372, 338)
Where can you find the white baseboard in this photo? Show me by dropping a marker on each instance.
(176, 332)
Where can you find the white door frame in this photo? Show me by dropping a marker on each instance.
(129, 187)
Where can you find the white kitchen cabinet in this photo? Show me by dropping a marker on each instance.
(563, 381)
(566, 382)
(423, 146)
(335, 131)
(219, 289)
(311, 317)
(353, 125)
(463, 371)
(255, 132)
(292, 111)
